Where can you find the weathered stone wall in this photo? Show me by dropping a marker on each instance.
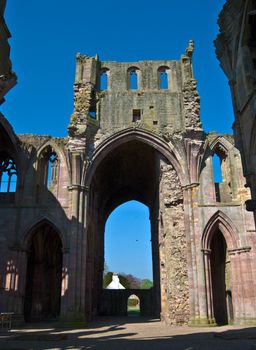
(173, 249)
(163, 159)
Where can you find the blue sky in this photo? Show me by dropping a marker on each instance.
(48, 34)
(128, 240)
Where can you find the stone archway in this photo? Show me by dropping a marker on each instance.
(220, 278)
(218, 241)
(44, 273)
(135, 170)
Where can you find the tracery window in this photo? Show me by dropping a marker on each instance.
(8, 173)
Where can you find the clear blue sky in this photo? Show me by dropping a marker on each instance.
(48, 34)
(128, 240)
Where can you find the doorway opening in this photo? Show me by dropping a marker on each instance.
(133, 306)
(221, 280)
(44, 273)
(128, 248)
(127, 176)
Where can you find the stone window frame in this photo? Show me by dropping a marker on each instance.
(223, 153)
(138, 73)
(106, 71)
(44, 160)
(167, 70)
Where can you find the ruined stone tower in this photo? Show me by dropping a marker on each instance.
(135, 133)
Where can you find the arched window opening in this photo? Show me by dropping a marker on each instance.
(52, 173)
(221, 175)
(93, 106)
(11, 277)
(217, 175)
(163, 77)
(8, 174)
(163, 80)
(49, 167)
(128, 250)
(221, 280)
(133, 79)
(104, 79)
(133, 306)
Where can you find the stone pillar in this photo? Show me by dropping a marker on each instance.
(74, 308)
(74, 263)
(207, 295)
(197, 296)
(173, 244)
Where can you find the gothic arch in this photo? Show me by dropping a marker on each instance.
(55, 147)
(44, 246)
(223, 142)
(222, 222)
(211, 147)
(166, 149)
(50, 147)
(31, 228)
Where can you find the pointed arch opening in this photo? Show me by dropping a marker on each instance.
(104, 79)
(133, 306)
(163, 78)
(48, 168)
(218, 239)
(222, 174)
(220, 279)
(44, 274)
(128, 249)
(130, 172)
(133, 78)
(131, 168)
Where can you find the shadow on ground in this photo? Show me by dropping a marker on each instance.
(128, 333)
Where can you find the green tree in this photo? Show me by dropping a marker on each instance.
(107, 278)
(146, 284)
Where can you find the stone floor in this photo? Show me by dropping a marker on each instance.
(129, 333)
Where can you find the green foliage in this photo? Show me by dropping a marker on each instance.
(146, 284)
(124, 281)
(107, 278)
(133, 302)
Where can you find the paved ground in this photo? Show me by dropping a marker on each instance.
(129, 334)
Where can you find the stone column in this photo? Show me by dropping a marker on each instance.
(75, 307)
(207, 295)
(173, 244)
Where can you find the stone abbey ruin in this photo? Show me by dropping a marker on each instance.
(135, 134)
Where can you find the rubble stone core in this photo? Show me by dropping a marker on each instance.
(127, 141)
